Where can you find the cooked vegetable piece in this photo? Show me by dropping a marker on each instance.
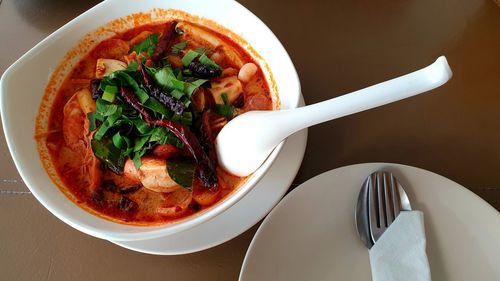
(107, 66)
(152, 174)
(230, 86)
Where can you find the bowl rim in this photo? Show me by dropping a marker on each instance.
(147, 232)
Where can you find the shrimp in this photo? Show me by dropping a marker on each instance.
(175, 203)
(107, 66)
(152, 174)
(75, 127)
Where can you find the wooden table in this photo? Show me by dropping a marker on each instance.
(337, 46)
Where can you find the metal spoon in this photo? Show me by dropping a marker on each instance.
(247, 140)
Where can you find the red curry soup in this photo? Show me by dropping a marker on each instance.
(131, 129)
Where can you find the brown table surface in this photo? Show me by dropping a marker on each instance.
(337, 46)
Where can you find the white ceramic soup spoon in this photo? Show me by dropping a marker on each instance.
(247, 140)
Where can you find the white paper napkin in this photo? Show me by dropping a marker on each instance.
(399, 254)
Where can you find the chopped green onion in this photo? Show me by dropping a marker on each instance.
(110, 93)
(141, 125)
(189, 57)
(206, 61)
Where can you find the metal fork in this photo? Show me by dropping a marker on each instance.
(380, 201)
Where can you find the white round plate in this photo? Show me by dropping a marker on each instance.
(311, 234)
(238, 218)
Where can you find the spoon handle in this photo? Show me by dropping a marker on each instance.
(253, 135)
(405, 86)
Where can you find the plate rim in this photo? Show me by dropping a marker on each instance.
(488, 208)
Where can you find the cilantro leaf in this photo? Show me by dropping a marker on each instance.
(182, 172)
(179, 47)
(148, 45)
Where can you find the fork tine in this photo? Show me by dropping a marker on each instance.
(373, 208)
(384, 202)
(389, 196)
(381, 200)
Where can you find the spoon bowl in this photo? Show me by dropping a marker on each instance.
(247, 140)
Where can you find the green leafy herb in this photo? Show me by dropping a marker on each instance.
(226, 109)
(158, 134)
(182, 172)
(165, 77)
(109, 155)
(148, 46)
(137, 158)
(141, 125)
(179, 47)
(132, 66)
(177, 94)
(93, 118)
(140, 142)
(120, 141)
(192, 86)
(114, 113)
(126, 80)
(157, 107)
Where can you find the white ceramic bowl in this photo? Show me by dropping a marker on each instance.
(23, 84)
